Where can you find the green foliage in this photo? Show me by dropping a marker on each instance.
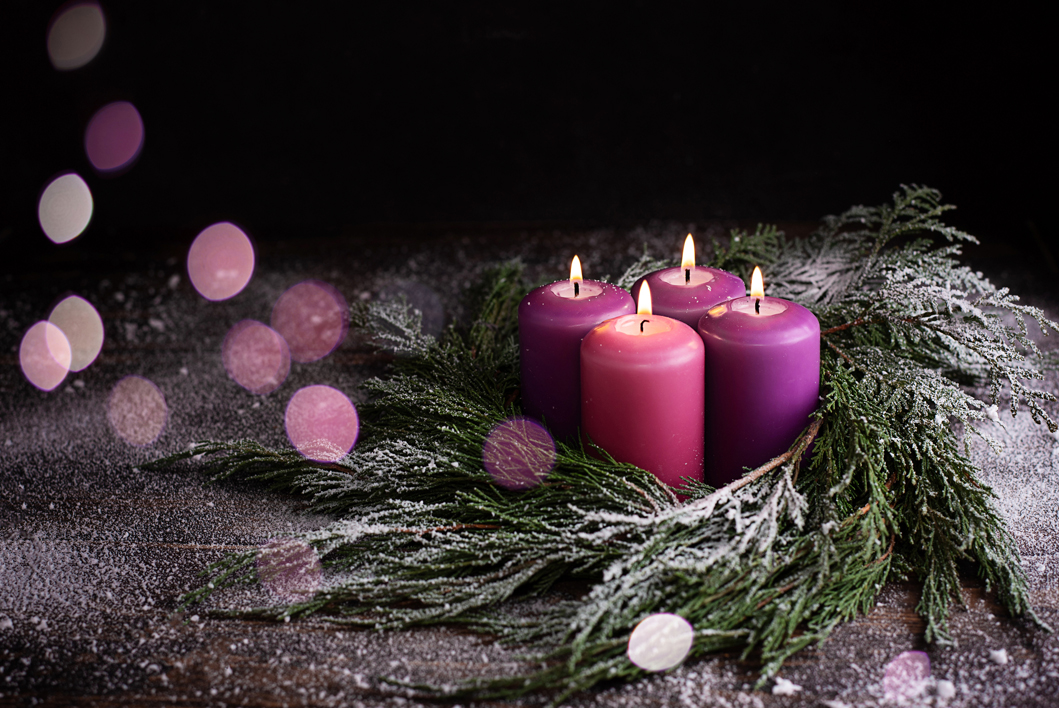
(646, 264)
(771, 563)
(746, 250)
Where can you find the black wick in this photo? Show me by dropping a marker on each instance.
(577, 289)
(641, 324)
(757, 306)
(687, 275)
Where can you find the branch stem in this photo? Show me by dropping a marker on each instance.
(454, 527)
(884, 556)
(772, 464)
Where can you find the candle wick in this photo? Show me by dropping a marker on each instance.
(577, 289)
(687, 275)
(757, 306)
(641, 324)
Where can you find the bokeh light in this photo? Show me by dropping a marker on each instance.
(322, 424)
(65, 208)
(660, 642)
(256, 357)
(906, 676)
(114, 137)
(313, 318)
(519, 453)
(83, 328)
(289, 569)
(44, 355)
(137, 411)
(220, 261)
(76, 35)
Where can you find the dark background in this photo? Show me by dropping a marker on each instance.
(316, 121)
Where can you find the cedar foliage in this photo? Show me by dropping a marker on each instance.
(771, 563)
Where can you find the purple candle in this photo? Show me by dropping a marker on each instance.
(552, 321)
(687, 292)
(762, 380)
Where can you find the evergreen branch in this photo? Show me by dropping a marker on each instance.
(771, 562)
(746, 250)
(645, 265)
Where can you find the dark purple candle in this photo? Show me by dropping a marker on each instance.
(762, 381)
(687, 292)
(552, 321)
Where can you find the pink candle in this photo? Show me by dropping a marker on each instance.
(552, 321)
(642, 392)
(687, 292)
(762, 380)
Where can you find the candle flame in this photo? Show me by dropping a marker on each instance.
(643, 305)
(757, 284)
(575, 270)
(688, 259)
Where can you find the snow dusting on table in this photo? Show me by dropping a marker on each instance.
(96, 553)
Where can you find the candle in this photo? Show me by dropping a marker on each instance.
(642, 379)
(762, 380)
(552, 321)
(687, 292)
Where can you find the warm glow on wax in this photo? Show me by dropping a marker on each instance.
(643, 306)
(688, 259)
(575, 270)
(757, 285)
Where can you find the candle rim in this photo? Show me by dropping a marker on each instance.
(541, 304)
(678, 273)
(721, 278)
(588, 289)
(680, 343)
(796, 323)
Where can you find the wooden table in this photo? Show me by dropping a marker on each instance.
(94, 554)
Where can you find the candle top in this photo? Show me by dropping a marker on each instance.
(688, 277)
(642, 325)
(662, 339)
(759, 320)
(555, 303)
(573, 287)
(685, 294)
(697, 284)
(759, 306)
(569, 289)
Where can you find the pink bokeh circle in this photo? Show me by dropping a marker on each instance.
(313, 318)
(114, 137)
(289, 568)
(65, 208)
(220, 261)
(519, 453)
(256, 357)
(75, 35)
(83, 327)
(906, 676)
(322, 423)
(137, 411)
(45, 355)
(660, 641)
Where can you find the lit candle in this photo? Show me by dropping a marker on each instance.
(687, 292)
(552, 321)
(762, 380)
(642, 392)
